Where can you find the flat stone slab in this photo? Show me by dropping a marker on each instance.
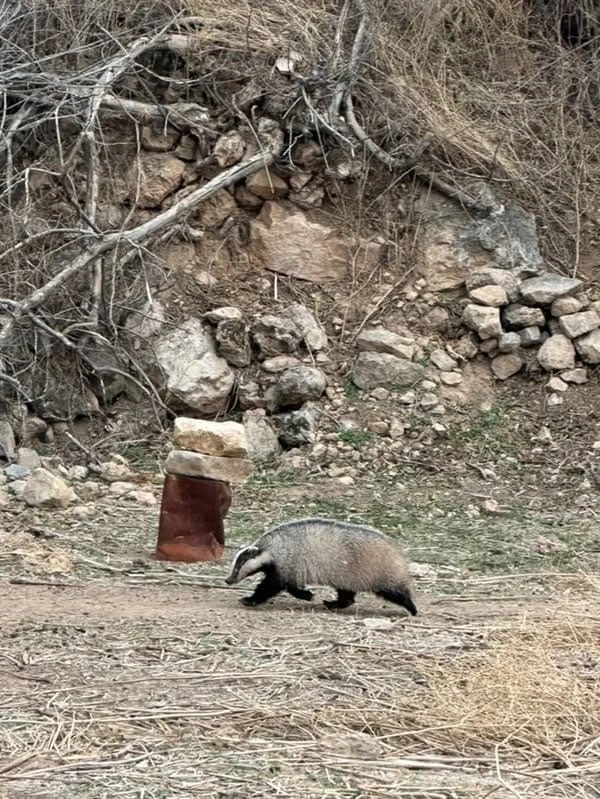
(195, 464)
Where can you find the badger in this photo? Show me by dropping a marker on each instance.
(315, 551)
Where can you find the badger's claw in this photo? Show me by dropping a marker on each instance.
(248, 601)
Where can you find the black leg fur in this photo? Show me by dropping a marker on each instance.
(299, 593)
(344, 600)
(268, 587)
(401, 597)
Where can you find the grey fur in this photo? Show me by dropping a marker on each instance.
(316, 551)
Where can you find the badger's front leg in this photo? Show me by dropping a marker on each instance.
(268, 587)
(299, 593)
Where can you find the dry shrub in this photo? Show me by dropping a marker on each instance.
(535, 690)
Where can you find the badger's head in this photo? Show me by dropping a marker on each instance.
(246, 561)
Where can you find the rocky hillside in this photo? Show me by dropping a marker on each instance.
(194, 238)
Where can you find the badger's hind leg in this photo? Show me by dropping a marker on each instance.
(268, 587)
(400, 597)
(299, 593)
(344, 600)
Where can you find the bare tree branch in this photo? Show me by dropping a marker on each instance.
(134, 236)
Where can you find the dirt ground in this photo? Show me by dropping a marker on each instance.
(125, 675)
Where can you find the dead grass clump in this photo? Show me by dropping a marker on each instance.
(533, 691)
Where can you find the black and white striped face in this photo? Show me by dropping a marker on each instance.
(247, 560)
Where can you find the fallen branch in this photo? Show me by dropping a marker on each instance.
(134, 236)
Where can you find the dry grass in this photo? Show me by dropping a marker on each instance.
(290, 703)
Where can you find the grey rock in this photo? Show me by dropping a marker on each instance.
(509, 342)
(566, 305)
(16, 471)
(556, 353)
(195, 376)
(263, 443)
(442, 360)
(588, 347)
(451, 378)
(512, 237)
(373, 369)
(493, 296)
(223, 314)
(17, 487)
(507, 365)
(279, 363)
(484, 321)
(28, 458)
(489, 346)
(515, 315)
(46, 490)
(313, 335)
(298, 385)
(107, 373)
(298, 428)
(428, 401)
(146, 323)
(578, 324)
(233, 342)
(493, 276)
(531, 336)
(578, 376)
(555, 399)
(276, 335)
(378, 339)
(547, 288)
(557, 384)
(195, 464)
(249, 395)
(7, 440)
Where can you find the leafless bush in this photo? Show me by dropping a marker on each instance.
(502, 91)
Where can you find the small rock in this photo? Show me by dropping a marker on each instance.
(195, 464)
(396, 429)
(4, 498)
(112, 471)
(489, 346)
(204, 279)
(158, 141)
(578, 376)
(298, 385)
(16, 471)
(578, 324)
(28, 458)
(119, 488)
(263, 444)
(439, 410)
(267, 185)
(428, 385)
(556, 384)
(484, 321)
(422, 571)
(555, 399)
(372, 369)
(437, 319)
(496, 277)
(152, 178)
(376, 623)
(78, 473)
(545, 546)
(439, 429)
(312, 332)
(451, 378)
(17, 487)
(566, 305)
(224, 439)
(516, 315)
(298, 427)
(491, 507)
(7, 440)
(187, 148)
(466, 348)
(379, 428)
(547, 288)
(378, 339)
(442, 360)
(557, 353)
(279, 363)
(588, 347)
(276, 335)
(531, 336)
(507, 365)
(226, 313)
(509, 342)
(493, 296)
(143, 497)
(233, 342)
(245, 199)
(380, 393)
(229, 149)
(249, 395)
(90, 490)
(428, 401)
(45, 490)
(346, 480)
(407, 398)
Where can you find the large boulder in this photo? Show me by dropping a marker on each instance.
(194, 375)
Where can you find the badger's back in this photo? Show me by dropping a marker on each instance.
(351, 557)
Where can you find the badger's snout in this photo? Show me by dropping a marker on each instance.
(230, 580)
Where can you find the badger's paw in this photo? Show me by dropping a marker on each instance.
(248, 601)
